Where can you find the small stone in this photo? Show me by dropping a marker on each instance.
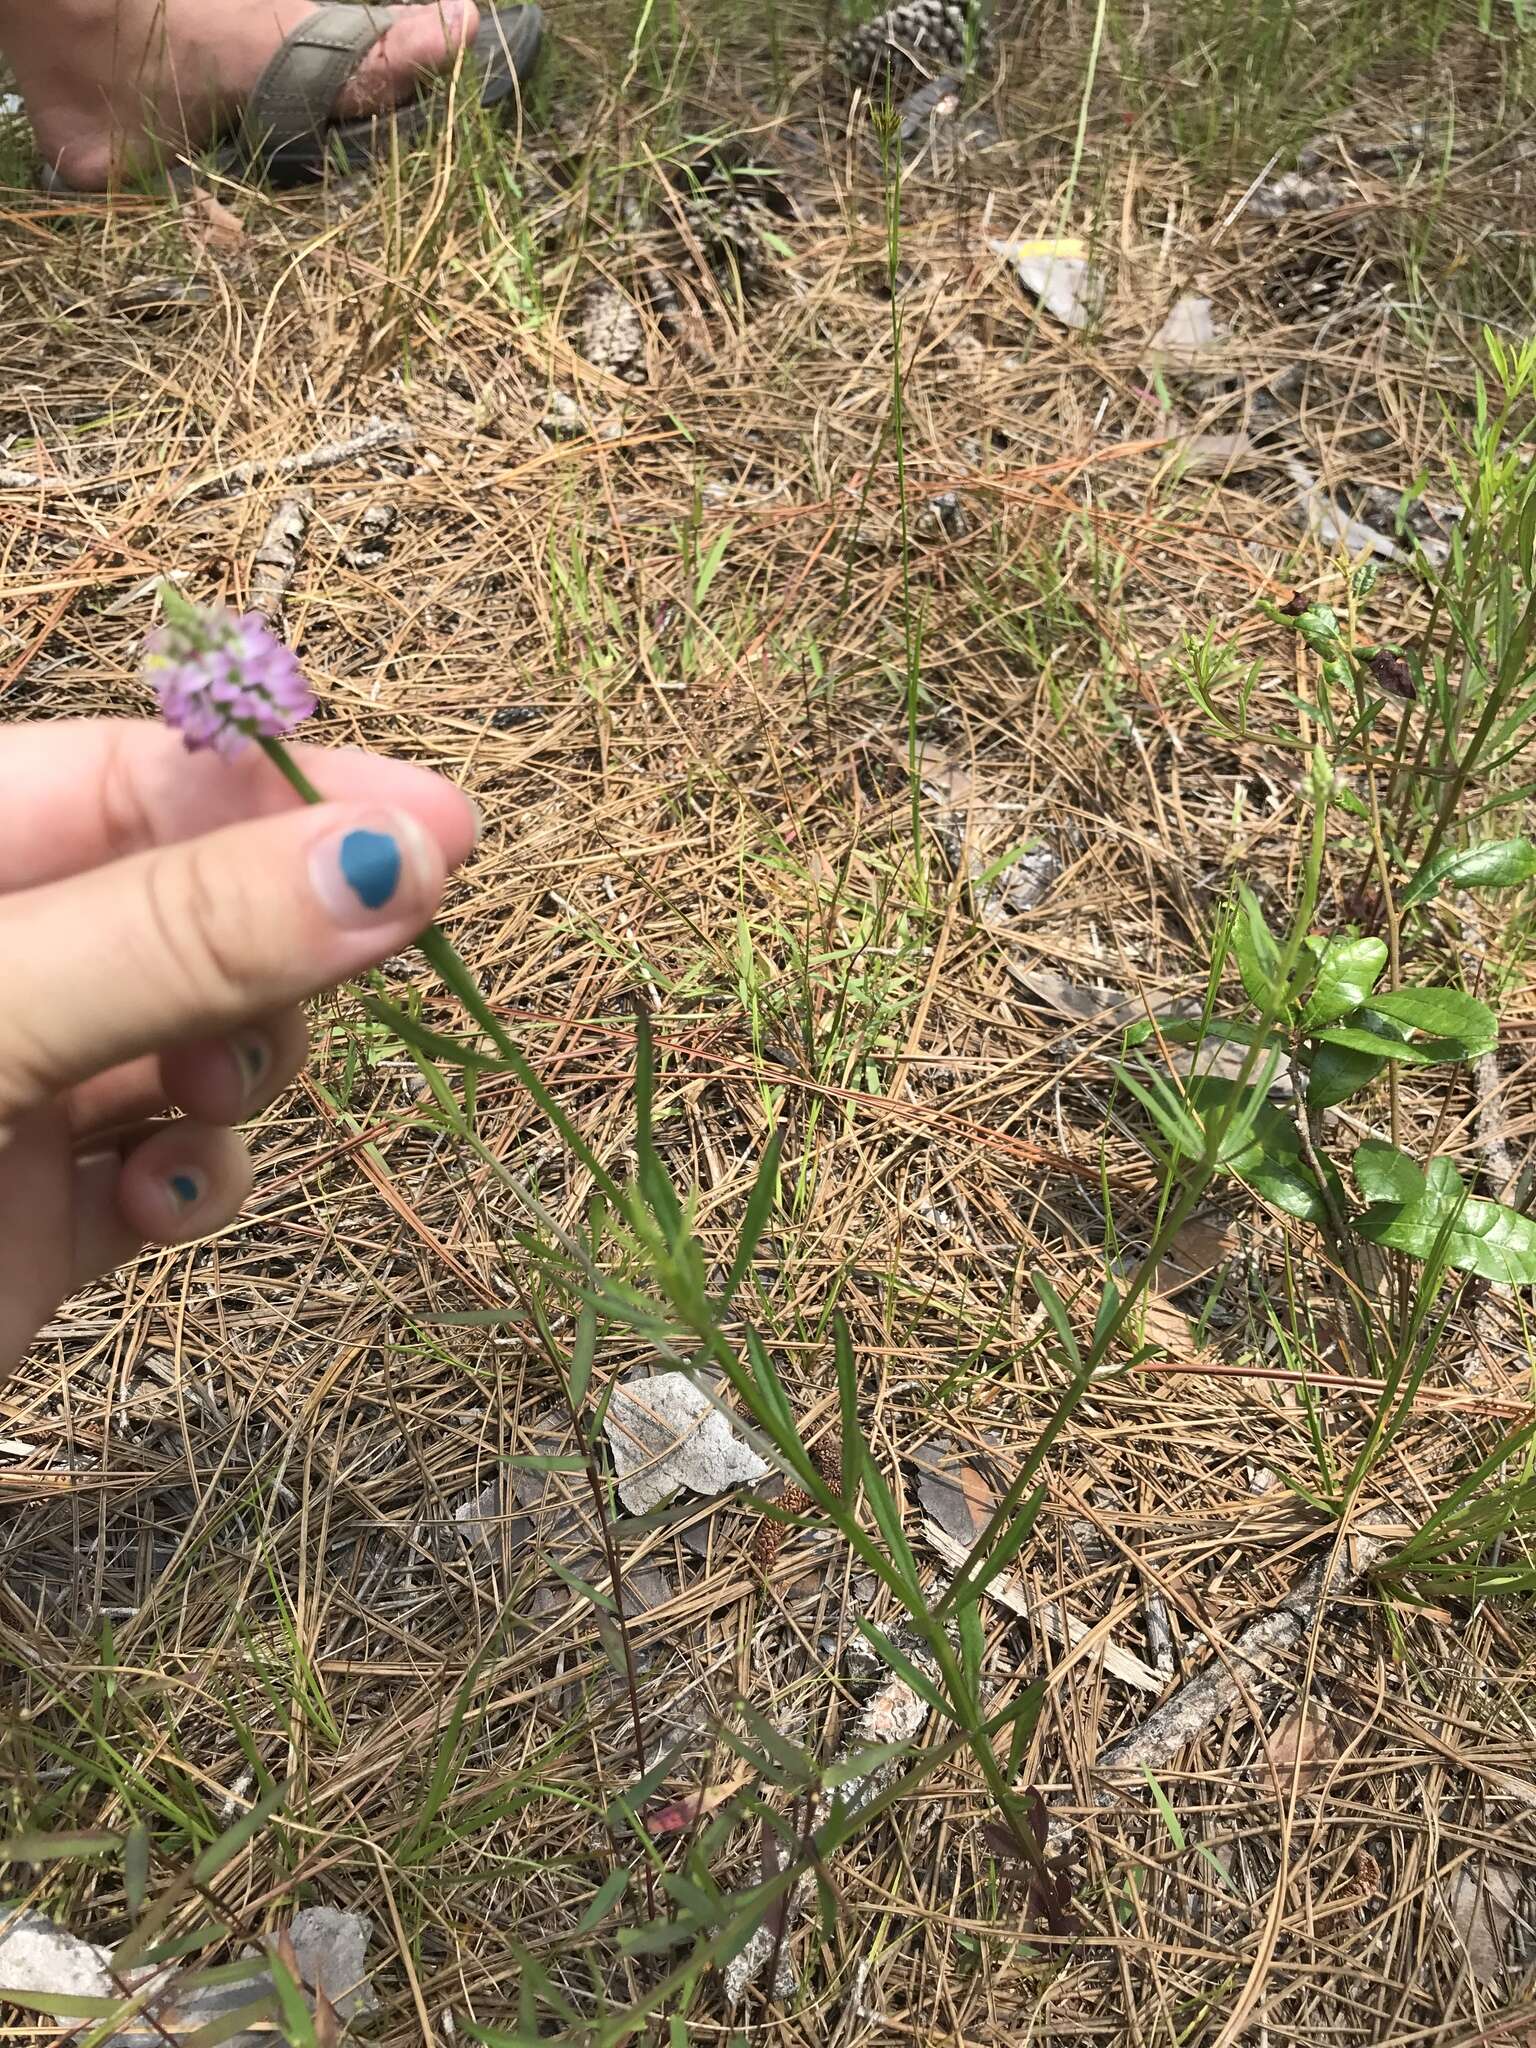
(666, 1434)
(330, 1948)
(1188, 329)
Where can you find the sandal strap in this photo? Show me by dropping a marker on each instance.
(294, 98)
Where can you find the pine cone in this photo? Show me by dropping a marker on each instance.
(769, 1540)
(612, 337)
(897, 51)
(730, 204)
(729, 233)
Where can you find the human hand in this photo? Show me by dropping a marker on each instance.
(161, 916)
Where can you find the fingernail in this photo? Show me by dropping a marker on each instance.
(253, 1056)
(185, 1189)
(363, 874)
(477, 816)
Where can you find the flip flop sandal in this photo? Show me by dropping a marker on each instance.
(287, 133)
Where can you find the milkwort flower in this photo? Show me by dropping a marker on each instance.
(223, 680)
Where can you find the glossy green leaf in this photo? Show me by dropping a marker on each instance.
(1260, 1146)
(1429, 1212)
(1347, 971)
(1337, 1072)
(1288, 1187)
(1496, 864)
(1387, 1045)
(1442, 1013)
(1384, 1174)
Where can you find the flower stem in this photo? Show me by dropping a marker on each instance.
(452, 970)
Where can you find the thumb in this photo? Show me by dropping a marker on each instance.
(191, 940)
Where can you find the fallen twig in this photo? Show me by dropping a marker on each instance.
(1258, 1653)
(377, 434)
(222, 483)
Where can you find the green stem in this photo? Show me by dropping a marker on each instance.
(441, 954)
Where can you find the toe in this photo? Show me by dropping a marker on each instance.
(425, 38)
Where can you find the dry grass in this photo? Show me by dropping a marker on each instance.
(232, 1476)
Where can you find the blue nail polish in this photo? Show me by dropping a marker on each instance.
(370, 863)
(184, 1188)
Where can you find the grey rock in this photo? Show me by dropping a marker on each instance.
(331, 1947)
(665, 1433)
(189, 2007)
(38, 1957)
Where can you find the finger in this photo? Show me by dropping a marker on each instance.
(36, 1228)
(197, 940)
(84, 791)
(216, 1080)
(183, 1181)
(130, 1094)
(226, 1080)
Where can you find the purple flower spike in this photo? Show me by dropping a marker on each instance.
(222, 679)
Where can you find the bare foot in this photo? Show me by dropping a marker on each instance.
(110, 85)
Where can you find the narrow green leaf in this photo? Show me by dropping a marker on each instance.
(972, 1643)
(438, 1046)
(1007, 1547)
(581, 1587)
(583, 1352)
(202, 1874)
(1258, 956)
(709, 568)
(136, 1867)
(888, 1520)
(1061, 1322)
(1525, 538)
(41, 1848)
(1164, 1806)
(770, 1405)
(67, 2005)
(855, 1764)
(755, 1216)
(903, 1667)
(1166, 1110)
(292, 2006)
(604, 1899)
(855, 1452)
(1197, 1030)
(234, 2026)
